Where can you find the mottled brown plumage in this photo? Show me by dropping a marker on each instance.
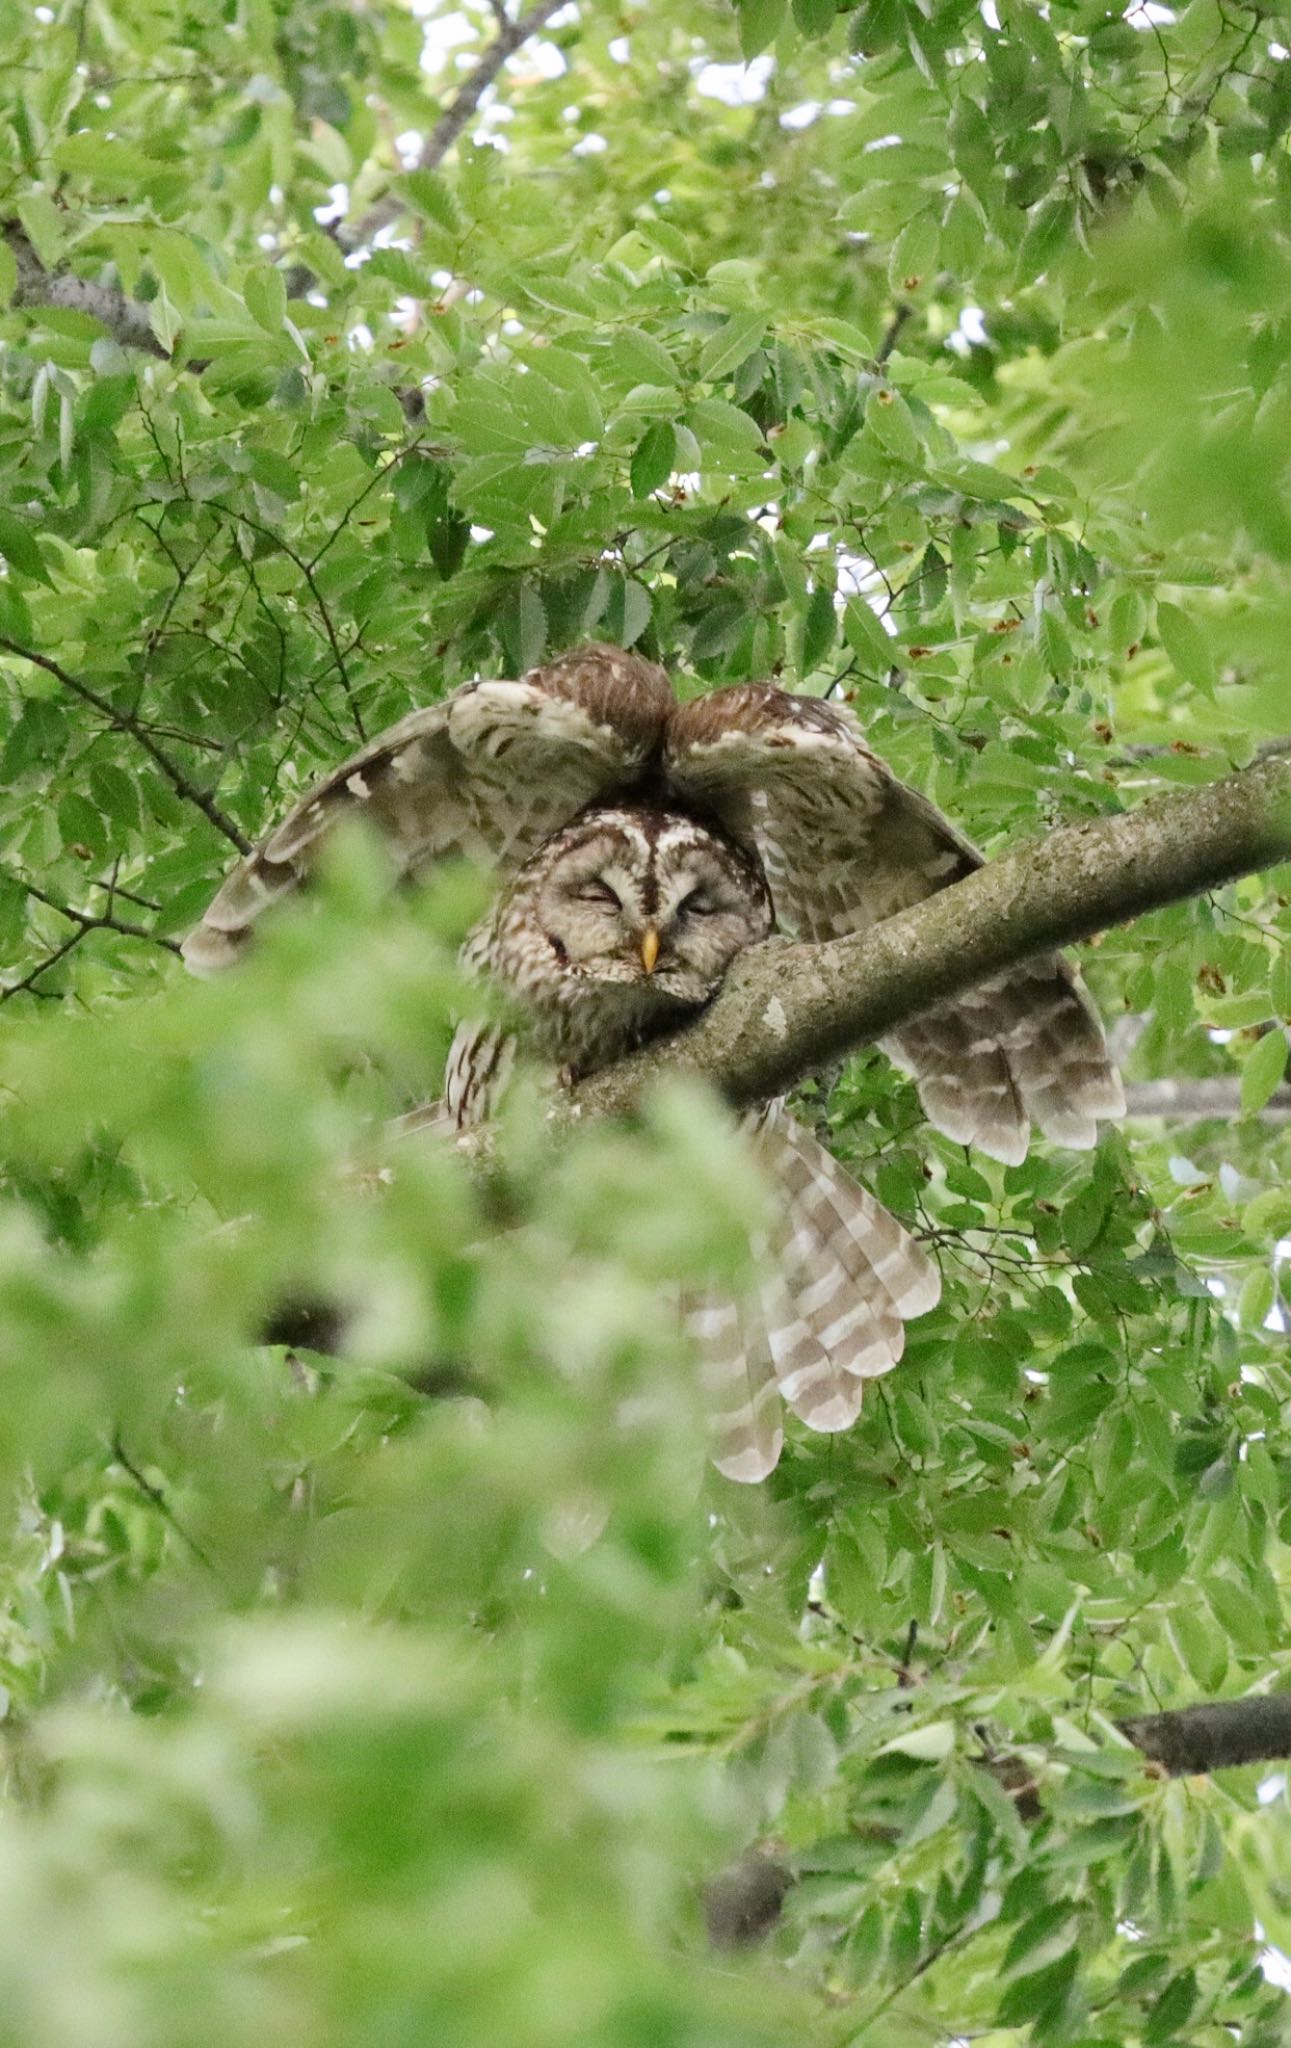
(640, 846)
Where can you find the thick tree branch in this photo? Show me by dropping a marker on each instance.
(1214, 1737)
(1192, 1101)
(127, 320)
(742, 1904)
(787, 1008)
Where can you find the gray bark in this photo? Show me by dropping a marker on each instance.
(1216, 1736)
(1193, 1101)
(126, 320)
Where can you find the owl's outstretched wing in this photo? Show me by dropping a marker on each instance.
(844, 844)
(488, 774)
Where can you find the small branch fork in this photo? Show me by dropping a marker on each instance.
(88, 922)
(85, 923)
(126, 721)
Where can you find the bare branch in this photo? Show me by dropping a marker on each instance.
(787, 1008)
(16, 988)
(88, 922)
(1191, 1101)
(512, 34)
(127, 320)
(458, 112)
(125, 721)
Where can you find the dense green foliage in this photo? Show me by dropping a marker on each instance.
(944, 364)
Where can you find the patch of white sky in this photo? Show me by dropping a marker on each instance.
(452, 41)
(735, 85)
(970, 332)
(743, 85)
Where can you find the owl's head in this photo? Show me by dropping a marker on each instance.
(653, 900)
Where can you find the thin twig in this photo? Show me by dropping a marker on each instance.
(125, 721)
(306, 569)
(90, 923)
(15, 988)
(892, 334)
(456, 114)
(158, 1499)
(120, 889)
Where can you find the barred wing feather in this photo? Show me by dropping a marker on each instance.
(845, 844)
(487, 774)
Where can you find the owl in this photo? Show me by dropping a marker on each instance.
(640, 845)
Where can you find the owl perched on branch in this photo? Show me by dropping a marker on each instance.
(640, 846)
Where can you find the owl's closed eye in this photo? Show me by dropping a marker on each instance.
(627, 899)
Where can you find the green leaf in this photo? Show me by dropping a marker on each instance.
(522, 622)
(117, 796)
(1263, 1070)
(1050, 235)
(914, 252)
(819, 629)
(760, 24)
(931, 1744)
(113, 165)
(1202, 1647)
(875, 650)
(641, 359)
(724, 431)
(1172, 2009)
(429, 193)
(19, 547)
(1040, 1940)
(1186, 645)
(887, 417)
(963, 238)
(80, 824)
(1055, 643)
(653, 457)
(730, 345)
(627, 612)
(1127, 620)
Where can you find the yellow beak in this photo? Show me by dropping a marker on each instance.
(649, 948)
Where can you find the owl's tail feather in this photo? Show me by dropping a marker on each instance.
(845, 1277)
(739, 1382)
